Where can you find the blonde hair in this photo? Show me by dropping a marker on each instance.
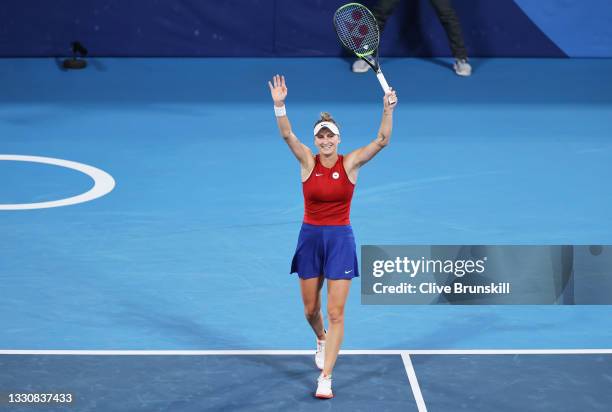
(326, 117)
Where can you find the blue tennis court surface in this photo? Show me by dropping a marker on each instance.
(258, 382)
(191, 250)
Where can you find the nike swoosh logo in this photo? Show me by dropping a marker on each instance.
(318, 174)
(346, 272)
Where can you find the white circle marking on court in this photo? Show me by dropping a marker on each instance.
(103, 183)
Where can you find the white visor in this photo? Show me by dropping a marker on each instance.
(329, 125)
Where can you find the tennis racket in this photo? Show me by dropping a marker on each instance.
(358, 31)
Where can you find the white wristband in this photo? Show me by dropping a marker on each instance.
(280, 111)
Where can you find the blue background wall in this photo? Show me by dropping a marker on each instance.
(548, 28)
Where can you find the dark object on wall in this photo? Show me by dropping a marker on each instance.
(78, 50)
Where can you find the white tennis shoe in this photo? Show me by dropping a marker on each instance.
(320, 353)
(324, 390)
(359, 66)
(462, 67)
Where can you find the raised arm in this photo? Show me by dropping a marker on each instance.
(278, 90)
(361, 156)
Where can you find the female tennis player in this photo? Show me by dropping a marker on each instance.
(326, 245)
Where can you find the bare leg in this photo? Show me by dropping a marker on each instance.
(337, 292)
(311, 296)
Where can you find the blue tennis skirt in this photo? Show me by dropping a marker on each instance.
(325, 250)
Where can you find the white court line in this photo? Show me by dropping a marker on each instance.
(103, 183)
(310, 352)
(414, 383)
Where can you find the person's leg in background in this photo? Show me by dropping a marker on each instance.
(452, 26)
(382, 10)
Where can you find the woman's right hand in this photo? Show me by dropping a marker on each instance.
(389, 101)
(278, 90)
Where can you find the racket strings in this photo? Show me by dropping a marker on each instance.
(357, 29)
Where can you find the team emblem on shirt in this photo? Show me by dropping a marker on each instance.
(336, 175)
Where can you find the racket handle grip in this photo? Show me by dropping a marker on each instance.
(384, 85)
(383, 81)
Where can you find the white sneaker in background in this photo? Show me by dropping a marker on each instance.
(462, 67)
(324, 390)
(359, 66)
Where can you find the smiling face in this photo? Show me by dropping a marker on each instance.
(326, 141)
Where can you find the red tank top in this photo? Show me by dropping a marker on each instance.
(327, 195)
